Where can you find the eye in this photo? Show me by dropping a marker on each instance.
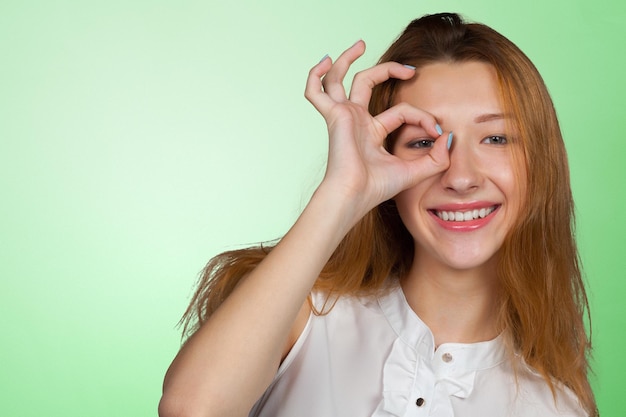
(495, 140)
(420, 143)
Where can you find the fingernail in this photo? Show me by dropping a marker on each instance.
(438, 129)
(409, 66)
(449, 140)
(322, 60)
(356, 42)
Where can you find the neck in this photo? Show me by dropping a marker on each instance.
(459, 306)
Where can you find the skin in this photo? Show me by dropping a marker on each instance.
(228, 363)
(452, 284)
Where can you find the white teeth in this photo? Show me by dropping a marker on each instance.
(464, 216)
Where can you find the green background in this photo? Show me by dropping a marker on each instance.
(138, 139)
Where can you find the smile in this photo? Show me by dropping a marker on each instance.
(464, 216)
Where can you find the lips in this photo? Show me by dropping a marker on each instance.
(464, 216)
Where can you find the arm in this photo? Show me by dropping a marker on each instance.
(225, 367)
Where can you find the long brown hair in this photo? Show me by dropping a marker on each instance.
(543, 295)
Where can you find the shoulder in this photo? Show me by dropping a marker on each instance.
(537, 394)
(521, 391)
(324, 303)
(324, 310)
(348, 320)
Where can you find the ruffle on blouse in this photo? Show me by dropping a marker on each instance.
(448, 371)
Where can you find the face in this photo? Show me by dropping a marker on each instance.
(460, 217)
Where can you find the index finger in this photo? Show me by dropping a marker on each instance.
(364, 81)
(403, 113)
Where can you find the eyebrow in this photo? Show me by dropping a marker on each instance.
(488, 117)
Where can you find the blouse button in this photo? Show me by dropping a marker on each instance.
(446, 357)
(420, 402)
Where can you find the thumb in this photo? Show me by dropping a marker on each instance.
(435, 162)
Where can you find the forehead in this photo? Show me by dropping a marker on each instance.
(442, 87)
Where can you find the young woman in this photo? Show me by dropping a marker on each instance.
(434, 271)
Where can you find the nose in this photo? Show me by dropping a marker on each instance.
(463, 175)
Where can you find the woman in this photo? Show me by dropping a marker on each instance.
(434, 271)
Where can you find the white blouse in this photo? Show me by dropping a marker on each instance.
(375, 357)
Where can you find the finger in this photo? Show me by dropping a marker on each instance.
(364, 81)
(333, 80)
(314, 91)
(403, 113)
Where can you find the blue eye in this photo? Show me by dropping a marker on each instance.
(495, 140)
(421, 143)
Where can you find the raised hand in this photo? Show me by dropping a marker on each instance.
(359, 167)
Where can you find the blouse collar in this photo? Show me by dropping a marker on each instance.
(415, 333)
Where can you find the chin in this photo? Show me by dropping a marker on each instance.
(470, 261)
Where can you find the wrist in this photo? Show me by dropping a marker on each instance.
(341, 207)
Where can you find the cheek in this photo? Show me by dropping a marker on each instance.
(517, 175)
(402, 201)
(409, 204)
(511, 182)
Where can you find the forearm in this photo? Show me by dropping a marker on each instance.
(229, 362)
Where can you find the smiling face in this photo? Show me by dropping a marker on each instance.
(460, 217)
